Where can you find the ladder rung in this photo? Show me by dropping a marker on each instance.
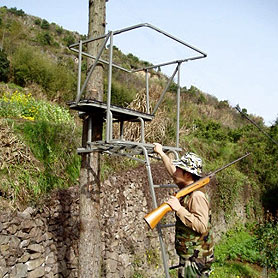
(165, 186)
(167, 225)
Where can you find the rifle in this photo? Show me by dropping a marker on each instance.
(157, 214)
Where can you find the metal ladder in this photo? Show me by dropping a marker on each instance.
(159, 226)
(111, 113)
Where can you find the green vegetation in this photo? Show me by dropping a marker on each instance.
(121, 94)
(45, 24)
(267, 234)
(40, 76)
(237, 244)
(50, 132)
(4, 66)
(247, 252)
(30, 66)
(16, 11)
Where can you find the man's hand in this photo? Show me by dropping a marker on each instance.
(165, 158)
(158, 148)
(174, 203)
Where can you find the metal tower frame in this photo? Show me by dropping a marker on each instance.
(111, 113)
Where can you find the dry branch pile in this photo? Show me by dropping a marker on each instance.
(12, 150)
(156, 129)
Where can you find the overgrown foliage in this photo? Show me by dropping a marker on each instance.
(4, 66)
(254, 244)
(267, 239)
(50, 133)
(30, 66)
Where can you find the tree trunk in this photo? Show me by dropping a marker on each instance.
(90, 231)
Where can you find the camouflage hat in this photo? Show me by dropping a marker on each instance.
(191, 163)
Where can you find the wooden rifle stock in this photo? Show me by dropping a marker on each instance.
(157, 214)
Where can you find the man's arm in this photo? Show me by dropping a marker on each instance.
(165, 158)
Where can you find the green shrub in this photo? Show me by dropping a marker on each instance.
(59, 30)
(69, 39)
(237, 244)
(236, 254)
(37, 21)
(50, 132)
(173, 88)
(45, 38)
(223, 104)
(231, 184)
(211, 130)
(233, 269)
(45, 24)
(267, 239)
(54, 146)
(30, 66)
(121, 94)
(16, 11)
(4, 66)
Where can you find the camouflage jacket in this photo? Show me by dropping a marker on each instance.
(189, 242)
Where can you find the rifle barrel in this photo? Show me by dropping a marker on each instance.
(229, 164)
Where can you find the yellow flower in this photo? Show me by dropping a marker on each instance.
(27, 118)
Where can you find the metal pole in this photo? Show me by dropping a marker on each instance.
(92, 69)
(142, 130)
(89, 140)
(110, 125)
(267, 135)
(147, 92)
(150, 179)
(108, 121)
(79, 72)
(178, 108)
(122, 130)
(165, 90)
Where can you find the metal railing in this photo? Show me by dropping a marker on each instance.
(97, 59)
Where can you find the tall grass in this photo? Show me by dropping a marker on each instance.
(51, 135)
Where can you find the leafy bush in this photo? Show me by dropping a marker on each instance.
(4, 66)
(69, 39)
(59, 30)
(233, 269)
(134, 60)
(231, 183)
(37, 21)
(45, 38)
(45, 24)
(237, 244)
(30, 66)
(16, 11)
(267, 239)
(54, 146)
(121, 94)
(211, 130)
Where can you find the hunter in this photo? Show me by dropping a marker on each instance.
(193, 239)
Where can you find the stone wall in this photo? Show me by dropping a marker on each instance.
(43, 242)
